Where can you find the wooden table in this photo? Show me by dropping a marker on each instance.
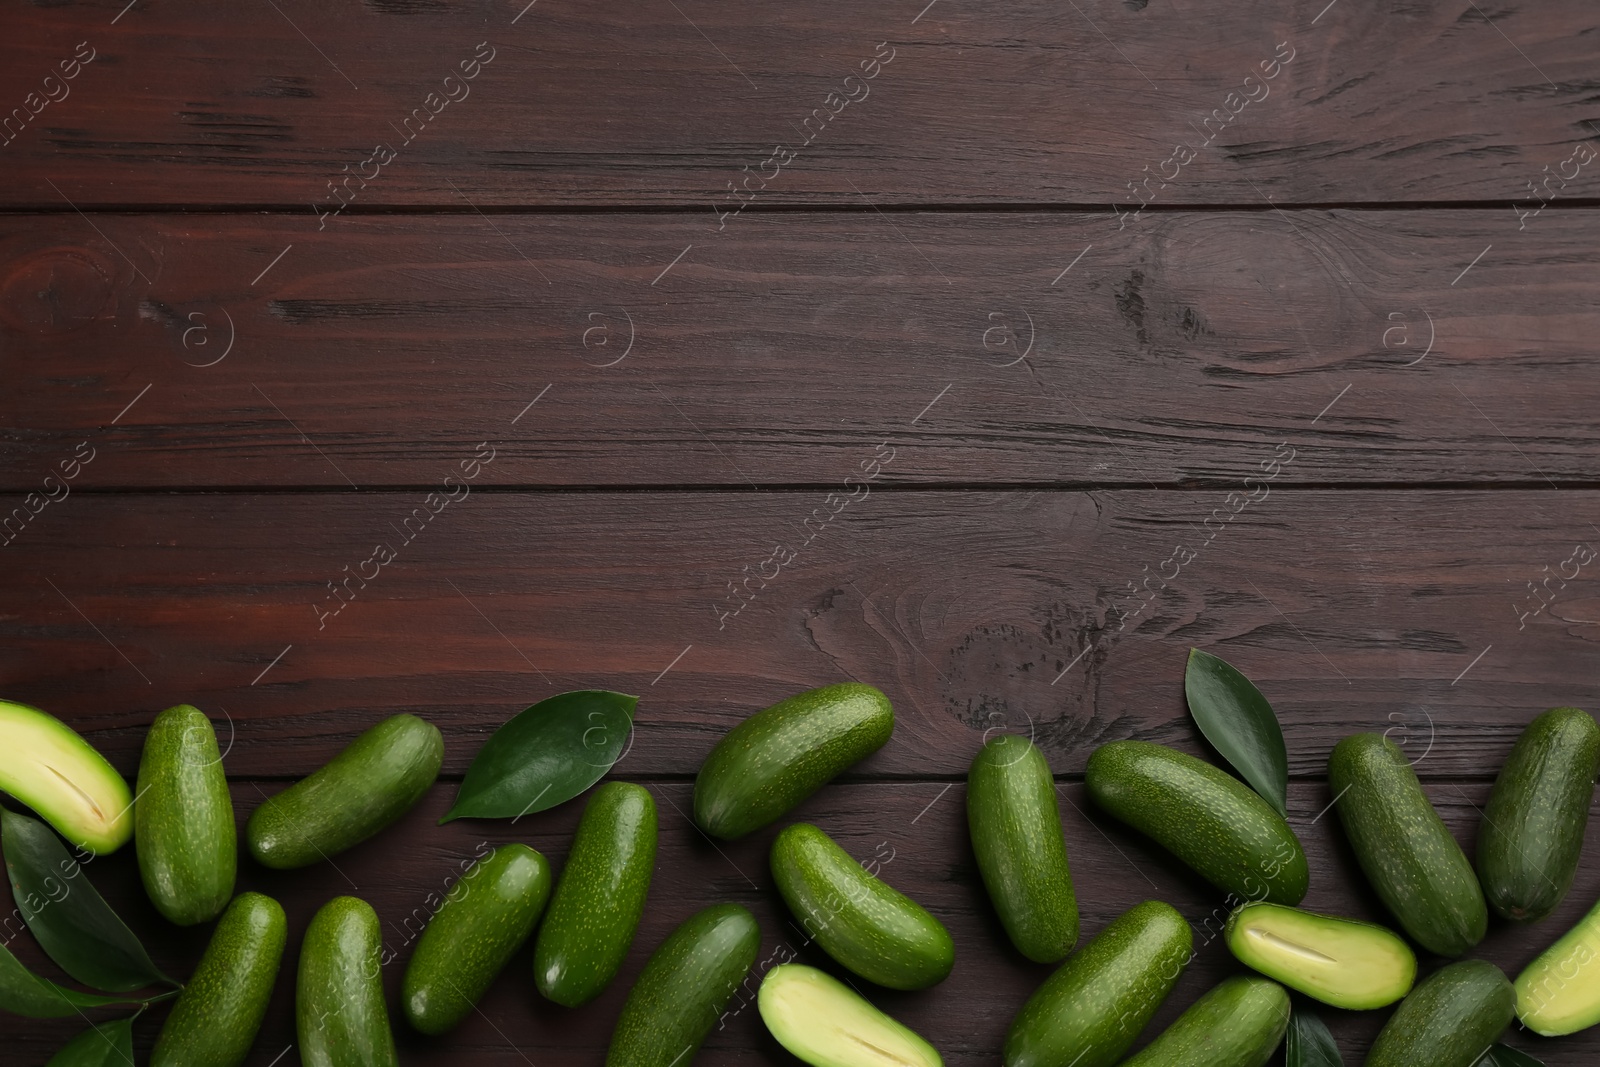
(994, 354)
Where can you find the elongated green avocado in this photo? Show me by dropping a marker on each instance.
(1417, 868)
(1532, 829)
(1449, 1020)
(778, 757)
(366, 787)
(1091, 1009)
(1342, 962)
(339, 1011)
(486, 916)
(598, 901)
(45, 764)
(1207, 818)
(1239, 1023)
(825, 1023)
(1016, 835)
(219, 1012)
(859, 920)
(1559, 992)
(684, 988)
(184, 834)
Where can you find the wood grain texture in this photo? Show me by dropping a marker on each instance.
(920, 827)
(976, 610)
(664, 104)
(382, 350)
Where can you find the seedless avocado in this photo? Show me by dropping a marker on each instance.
(1091, 1009)
(1559, 992)
(778, 757)
(484, 918)
(47, 766)
(825, 1023)
(1207, 818)
(1418, 870)
(1015, 827)
(339, 1011)
(1239, 1023)
(366, 787)
(600, 896)
(1532, 828)
(219, 1012)
(1449, 1020)
(684, 988)
(1348, 964)
(859, 920)
(184, 834)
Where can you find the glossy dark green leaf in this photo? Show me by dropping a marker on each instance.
(105, 1045)
(1308, 1043)
(72, 922)
(1240, 724)
(547, 755)
(1506, 1056)
(24, 993)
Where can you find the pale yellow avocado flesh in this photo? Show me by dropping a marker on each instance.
(826, 1024)
(1559, 992)
(47, 766)
(1342, 962)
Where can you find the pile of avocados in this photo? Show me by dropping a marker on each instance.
(1088, 1013)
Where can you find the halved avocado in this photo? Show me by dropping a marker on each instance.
(47, 766)
(827, 1024)
(1342, 962)
(1559, 993)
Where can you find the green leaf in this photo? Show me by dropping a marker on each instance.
(1309, 1043)
(71, 921)
(547, 755)
(24, 993)
(1506, 1056)
(1239, 723)
(105, 1045)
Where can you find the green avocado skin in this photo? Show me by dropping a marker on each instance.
(219, 1012)
(861, 921)
(1533, 826)
(776, 758)
(369, 785)
(339, 1010)
(1449, 1020)
(684, 988)
(1416, 867)
(1092, 1008)
(598, 901)
(1239, 1023)
(1204, 816)
(486, 916)
(1015, 825)
(184, 834)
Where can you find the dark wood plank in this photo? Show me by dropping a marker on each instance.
(665, 104)
(1352, 610)
(919, 826)
(383, 351)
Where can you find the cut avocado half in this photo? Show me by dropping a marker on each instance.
(1559, 993)
(826, 1024)
(47, 766)
(1342, 962)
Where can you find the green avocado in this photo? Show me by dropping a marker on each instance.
(1207, 818)
(486, 916)
(1449, 1020)
(684, 988)
(859, 920)
(184, 834)
(1348, 964)
(1239, 1023)
(776, 758)
(47, 766)
(826, 1024)
(1559, 992)
(366, 787)
(340, 1015)
(598, 900)
(219, 1012)
(1015, 827)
